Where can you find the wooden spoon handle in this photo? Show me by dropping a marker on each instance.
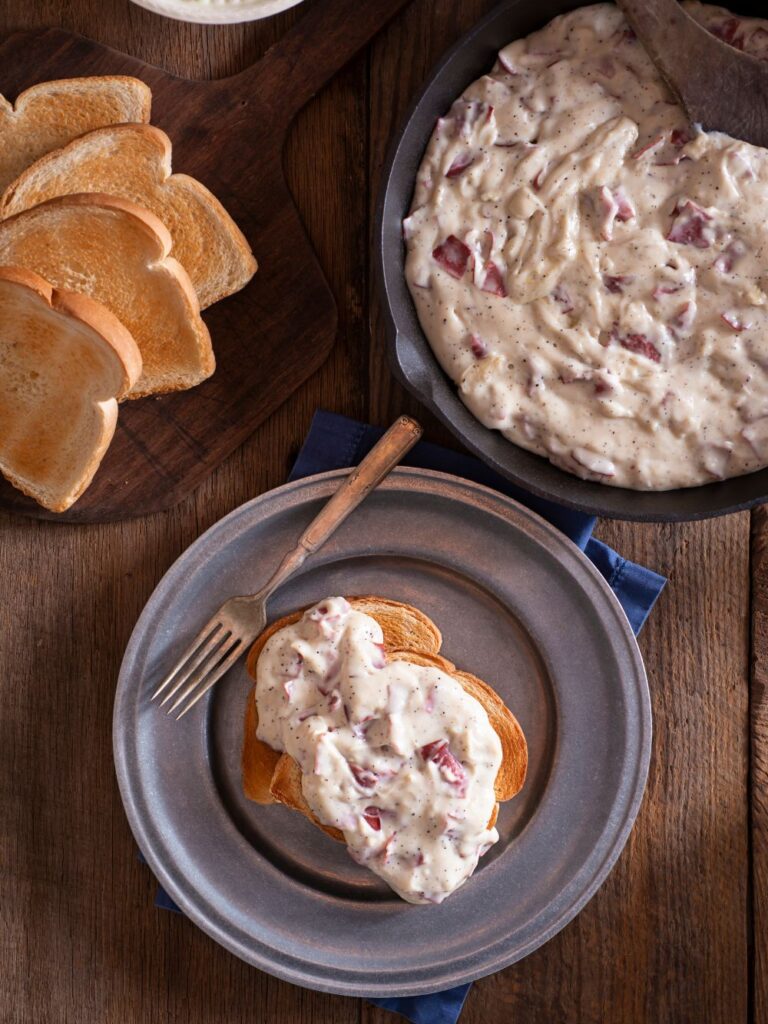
(318, 46)
(719, 87)
(663, 28)
(650, 17)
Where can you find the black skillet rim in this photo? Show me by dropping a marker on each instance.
(410, 356)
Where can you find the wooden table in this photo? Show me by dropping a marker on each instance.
(678, 934)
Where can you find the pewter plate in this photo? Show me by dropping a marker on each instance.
(520, 606)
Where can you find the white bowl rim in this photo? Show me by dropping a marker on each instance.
(216, 13)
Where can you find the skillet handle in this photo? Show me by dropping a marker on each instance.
(320, 44)
(409, 367)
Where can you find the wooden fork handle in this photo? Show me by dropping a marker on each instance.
(381, 460)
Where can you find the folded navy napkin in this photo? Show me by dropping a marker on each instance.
(335, 442)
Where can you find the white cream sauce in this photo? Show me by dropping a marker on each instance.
(399, 757)
(592, 272)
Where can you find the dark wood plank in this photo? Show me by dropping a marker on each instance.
(666, 939)
(81, 940)
(759, 764)
(277, 331)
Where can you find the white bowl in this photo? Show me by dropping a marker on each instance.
(217, 12)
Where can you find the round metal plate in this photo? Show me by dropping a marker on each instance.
(520, 606)
(411, 357)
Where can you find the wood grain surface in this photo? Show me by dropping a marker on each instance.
(678, 934)
(273, 334)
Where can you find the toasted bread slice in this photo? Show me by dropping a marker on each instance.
(117, 253)
(133, 161)
(403, 627)
(269, 776)
(51, 114)
(65, 360)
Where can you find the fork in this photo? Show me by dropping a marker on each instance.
(240, 620)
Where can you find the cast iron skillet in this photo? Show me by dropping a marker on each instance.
(411, 357)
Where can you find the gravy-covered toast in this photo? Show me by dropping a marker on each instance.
(409, 637)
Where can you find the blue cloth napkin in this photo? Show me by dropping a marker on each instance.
(335, 442)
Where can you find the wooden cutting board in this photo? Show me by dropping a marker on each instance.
(276, 332)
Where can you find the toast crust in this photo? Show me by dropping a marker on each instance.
(270, 776)
(81, 315)
(93, 314)
(49, 115)
(159, 266)
(133, 161)
(142, 91)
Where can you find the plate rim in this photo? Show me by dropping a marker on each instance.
(610, 848)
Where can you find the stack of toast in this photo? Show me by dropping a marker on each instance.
(106, 260)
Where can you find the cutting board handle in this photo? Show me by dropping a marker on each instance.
(319, 45)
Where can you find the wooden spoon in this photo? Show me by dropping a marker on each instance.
(719, 87)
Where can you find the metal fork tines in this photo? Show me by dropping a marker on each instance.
(213, 651)
(240, 620)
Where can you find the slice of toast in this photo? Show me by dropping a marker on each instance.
(134, 161)
(51, 114)
(65, 361)
(117, 253)
(409, 635)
